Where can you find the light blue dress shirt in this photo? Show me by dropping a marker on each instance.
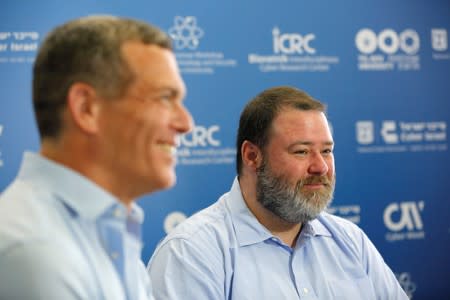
(223, 252)
(63, 237)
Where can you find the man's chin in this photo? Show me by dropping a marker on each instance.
(165, 182)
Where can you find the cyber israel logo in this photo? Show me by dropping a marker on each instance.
(293, 52)
(400, 136)
(439, 44)
(185, 32)
(404, 221)
(388, 50)
(203, 146)
(18, 46)
(389, 132)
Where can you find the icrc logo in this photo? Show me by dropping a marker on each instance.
(293, 52)
(289, 43)
(203, 146)
(404, 221)
(201, 136)
(388, 50)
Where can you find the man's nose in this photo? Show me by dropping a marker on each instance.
(318, 164)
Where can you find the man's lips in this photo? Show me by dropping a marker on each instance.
(314, 186)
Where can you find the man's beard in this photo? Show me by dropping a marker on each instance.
(288, 202)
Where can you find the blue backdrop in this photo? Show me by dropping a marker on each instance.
(383, 68)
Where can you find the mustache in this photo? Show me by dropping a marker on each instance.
(315, 180)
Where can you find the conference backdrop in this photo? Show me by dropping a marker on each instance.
(381, 66)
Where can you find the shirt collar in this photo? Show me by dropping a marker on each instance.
(247, 227)
(78, 193)
(315, 228)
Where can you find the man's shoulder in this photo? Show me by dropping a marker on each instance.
(337, 221)
(26, 215)
(340, 227)
(210, 221)
(42, 263)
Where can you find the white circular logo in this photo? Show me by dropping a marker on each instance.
(172, 220)
(366, 41)
(387, 41)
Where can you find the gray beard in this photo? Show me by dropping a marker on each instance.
(288, 202)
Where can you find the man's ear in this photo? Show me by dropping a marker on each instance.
(251, 155)
(83, 106)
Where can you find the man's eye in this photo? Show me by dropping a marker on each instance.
(327, 151)
(301, 152)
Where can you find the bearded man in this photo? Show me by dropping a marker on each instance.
(269, 236)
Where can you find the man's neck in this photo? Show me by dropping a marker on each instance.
(285, 231)
(86, 163)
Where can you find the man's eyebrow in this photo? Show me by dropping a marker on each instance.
(174, 92)
(309, 143)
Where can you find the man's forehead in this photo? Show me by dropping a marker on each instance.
(155, 66)
(306, 126)
(299, 118)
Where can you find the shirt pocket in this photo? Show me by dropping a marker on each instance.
(352, 289)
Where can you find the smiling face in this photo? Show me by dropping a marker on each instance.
(296, 178)
(139, 130)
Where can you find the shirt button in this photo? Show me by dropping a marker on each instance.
(117, 213)
(305, 290)
(114, 255)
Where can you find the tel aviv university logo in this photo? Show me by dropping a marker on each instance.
(388, 50)
(404, 221)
